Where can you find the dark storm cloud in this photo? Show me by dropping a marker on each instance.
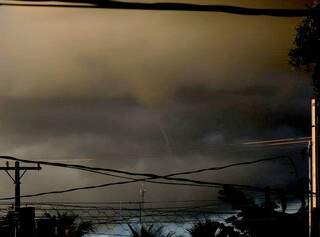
(140, 91)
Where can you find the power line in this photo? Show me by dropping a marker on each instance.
(191, 172)
(150, 175)
(166, 7)
(292, 140)
(209, 185)
(181, 181)
(110, 203)
(231, 165)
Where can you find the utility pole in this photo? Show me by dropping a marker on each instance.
(142, 193)
(17, 181)
(314, 220)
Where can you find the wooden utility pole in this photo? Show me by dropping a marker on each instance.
(17, 181)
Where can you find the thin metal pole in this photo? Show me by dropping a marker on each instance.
(142, 193)
(313, 172)
(310, 193)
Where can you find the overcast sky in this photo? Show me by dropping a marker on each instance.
(148, 91)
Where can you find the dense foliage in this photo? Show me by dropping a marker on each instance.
(306, 53)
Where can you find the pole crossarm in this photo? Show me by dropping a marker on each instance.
(21, 168)
(17, 178)
(9, 175)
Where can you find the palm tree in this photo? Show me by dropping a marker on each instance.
(210, 228)
(261, 220)
(63, 225)
(207, 228)
(148, 231)
(228, 231)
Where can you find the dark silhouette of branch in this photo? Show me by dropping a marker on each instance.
(306, 52)
(105, 4)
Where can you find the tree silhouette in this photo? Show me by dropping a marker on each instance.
(306, 53)
(7, 224)
(210, 228)
(148, 231)
(63, 225)
(263, 220)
